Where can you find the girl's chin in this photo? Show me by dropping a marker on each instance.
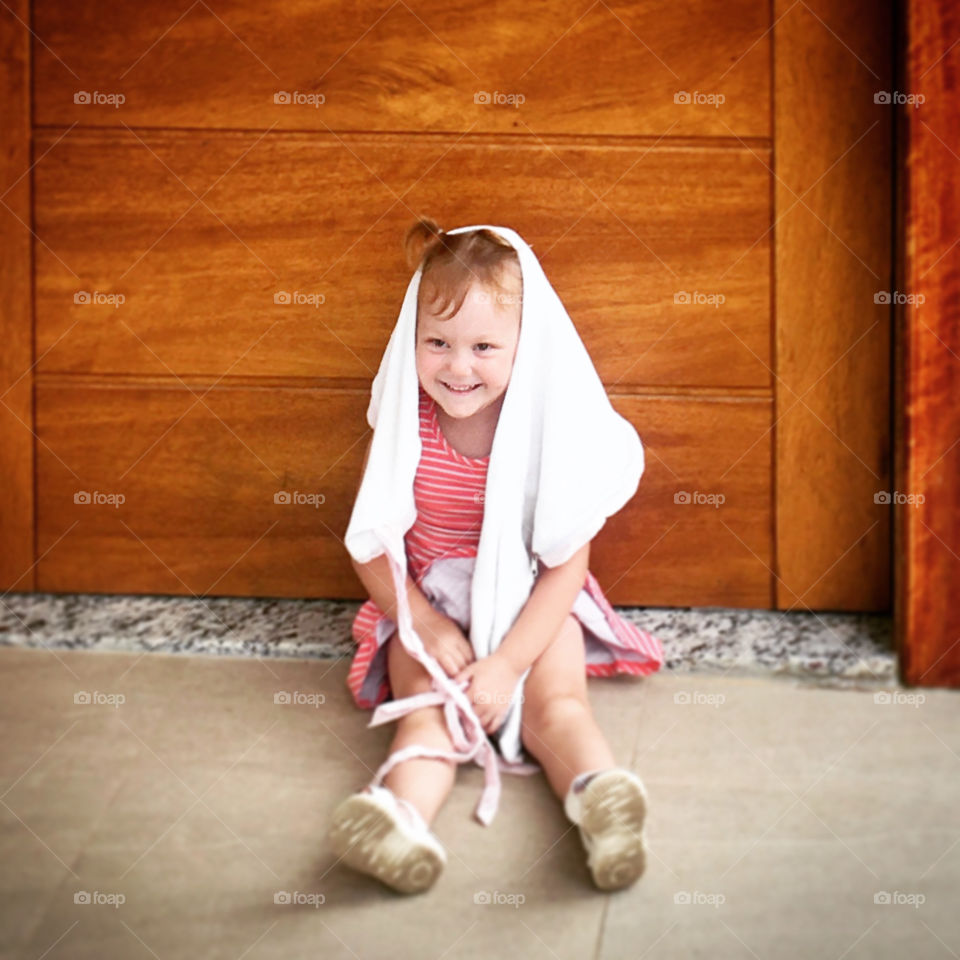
(456, 407)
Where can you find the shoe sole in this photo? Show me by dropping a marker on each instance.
(613, 813)
(366, 837)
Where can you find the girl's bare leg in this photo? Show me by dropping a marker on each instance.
(424, 782)
(568, 744)
(558, 726)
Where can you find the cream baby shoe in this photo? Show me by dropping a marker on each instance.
(383, 835)
(609, 807)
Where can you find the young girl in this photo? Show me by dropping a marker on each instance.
(494, 440)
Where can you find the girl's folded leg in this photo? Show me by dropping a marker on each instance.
(384, 830)
(425, 782)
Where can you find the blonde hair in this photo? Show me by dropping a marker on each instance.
(450, 264)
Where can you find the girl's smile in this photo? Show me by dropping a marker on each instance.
(459, 389)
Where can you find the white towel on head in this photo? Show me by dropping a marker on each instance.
(562, 461)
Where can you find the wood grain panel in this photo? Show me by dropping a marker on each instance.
(198, 233)
(928, 519)
(16, 317)
(198, 470)
(701, 521)
(606, 68)
(199, 478)
(833, 256)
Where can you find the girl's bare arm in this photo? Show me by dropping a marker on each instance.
(550, 601)
(378, 580)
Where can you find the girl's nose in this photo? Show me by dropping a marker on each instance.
(460, 364)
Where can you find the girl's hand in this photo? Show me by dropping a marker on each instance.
(445, 642)
(493, 681)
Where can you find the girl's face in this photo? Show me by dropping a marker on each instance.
(472, 349)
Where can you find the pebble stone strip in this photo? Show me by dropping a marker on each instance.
(828, 648)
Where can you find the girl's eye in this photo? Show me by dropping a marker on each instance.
(438, 342)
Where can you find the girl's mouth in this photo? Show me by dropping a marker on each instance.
(460, 390)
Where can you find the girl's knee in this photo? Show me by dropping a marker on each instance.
(406, 674)
(426, 722)
(558, 710)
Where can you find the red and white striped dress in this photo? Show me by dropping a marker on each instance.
(448, 492)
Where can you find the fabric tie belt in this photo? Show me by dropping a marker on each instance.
(470, 743)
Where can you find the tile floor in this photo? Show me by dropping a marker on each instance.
(786, 820)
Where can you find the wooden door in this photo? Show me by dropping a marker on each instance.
(214, 220)
(928, 461)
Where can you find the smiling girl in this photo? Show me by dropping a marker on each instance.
(467, 332)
